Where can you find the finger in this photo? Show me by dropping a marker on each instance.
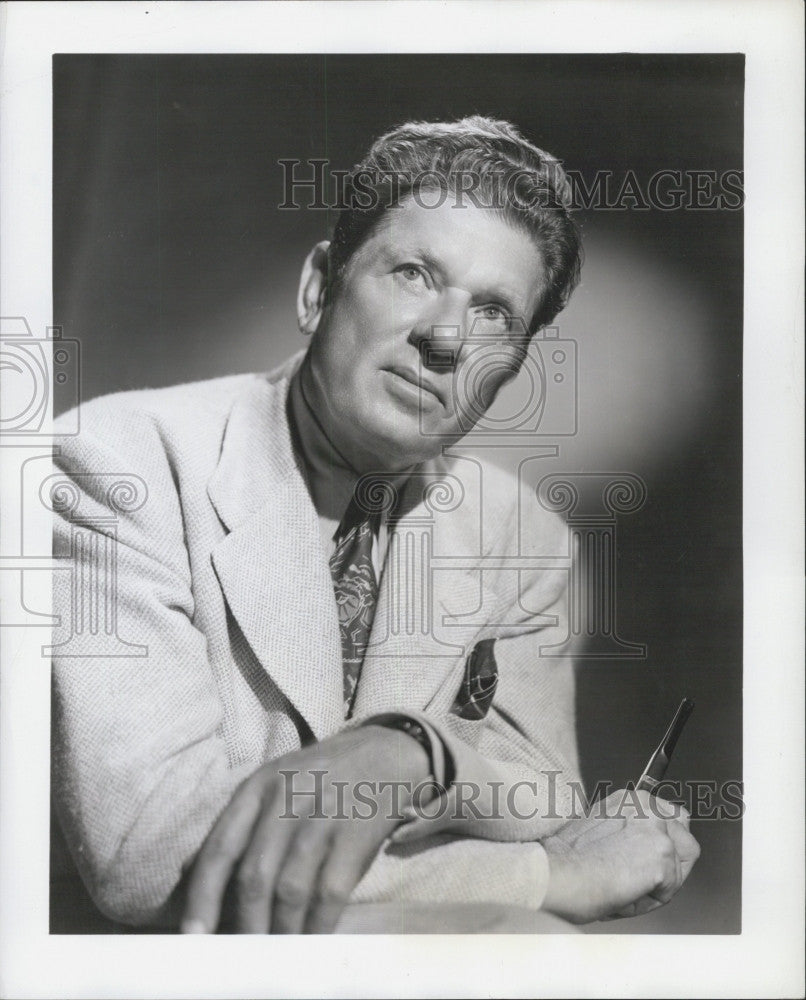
(342, 870)
(297, 880)
(600, 829)
(215, 861)
(683, 816)
(631, 803)
(672, 877)
(618, 804)
(641, 906)
(687, 848)
(669, 810)
(257, 872)
(645, 905)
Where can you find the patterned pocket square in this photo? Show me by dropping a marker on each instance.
(479, 683)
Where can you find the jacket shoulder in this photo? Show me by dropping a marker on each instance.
(170, 438)
(208, 399)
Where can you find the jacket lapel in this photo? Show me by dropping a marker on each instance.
(417, 640)
(270, 565)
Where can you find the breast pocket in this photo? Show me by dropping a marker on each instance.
(466, 696)
(479, 683)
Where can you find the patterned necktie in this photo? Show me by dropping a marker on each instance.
(356, 592)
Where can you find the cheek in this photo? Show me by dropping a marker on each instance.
(342, 348)
(364, 318)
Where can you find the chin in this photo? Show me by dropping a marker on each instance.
(395, 453)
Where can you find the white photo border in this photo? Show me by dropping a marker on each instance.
(767, 958)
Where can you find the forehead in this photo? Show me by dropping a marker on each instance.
(473, 246)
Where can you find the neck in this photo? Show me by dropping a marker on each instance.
(331, 476)
(321, 439)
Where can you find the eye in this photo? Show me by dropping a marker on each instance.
(411, 273)
(493, 313)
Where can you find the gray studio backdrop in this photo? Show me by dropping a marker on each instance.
(173, 262)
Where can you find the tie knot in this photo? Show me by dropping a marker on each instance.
(356, 516)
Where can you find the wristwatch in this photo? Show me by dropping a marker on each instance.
(438, 761)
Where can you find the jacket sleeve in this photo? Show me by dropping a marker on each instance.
(139, 772)
(448, 869)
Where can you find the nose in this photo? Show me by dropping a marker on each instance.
(439, 333)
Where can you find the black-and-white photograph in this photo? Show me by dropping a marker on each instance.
(404, 503)
(398, 566)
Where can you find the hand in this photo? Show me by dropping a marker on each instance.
(628, 856)
(298, 844)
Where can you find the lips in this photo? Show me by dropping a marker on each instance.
(414, 378)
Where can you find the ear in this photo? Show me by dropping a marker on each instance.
(312, 288)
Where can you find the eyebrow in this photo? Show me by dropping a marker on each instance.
(431, 261)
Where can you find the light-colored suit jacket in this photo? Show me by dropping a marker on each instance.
(199, 639)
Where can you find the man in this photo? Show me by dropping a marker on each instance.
(321, 716)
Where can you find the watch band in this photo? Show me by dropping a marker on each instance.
(437, 763)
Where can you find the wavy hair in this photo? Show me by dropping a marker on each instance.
(484, 161)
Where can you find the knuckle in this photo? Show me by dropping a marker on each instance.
(218, 844)
(331, 895)
(662, 809)
(667, 850)
(290, 893)
(665, 864)
(252, 881)
(661, 876)
(668, 859)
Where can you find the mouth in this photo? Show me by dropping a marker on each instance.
(414, 379)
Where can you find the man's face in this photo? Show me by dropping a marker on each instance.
(425, 278)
